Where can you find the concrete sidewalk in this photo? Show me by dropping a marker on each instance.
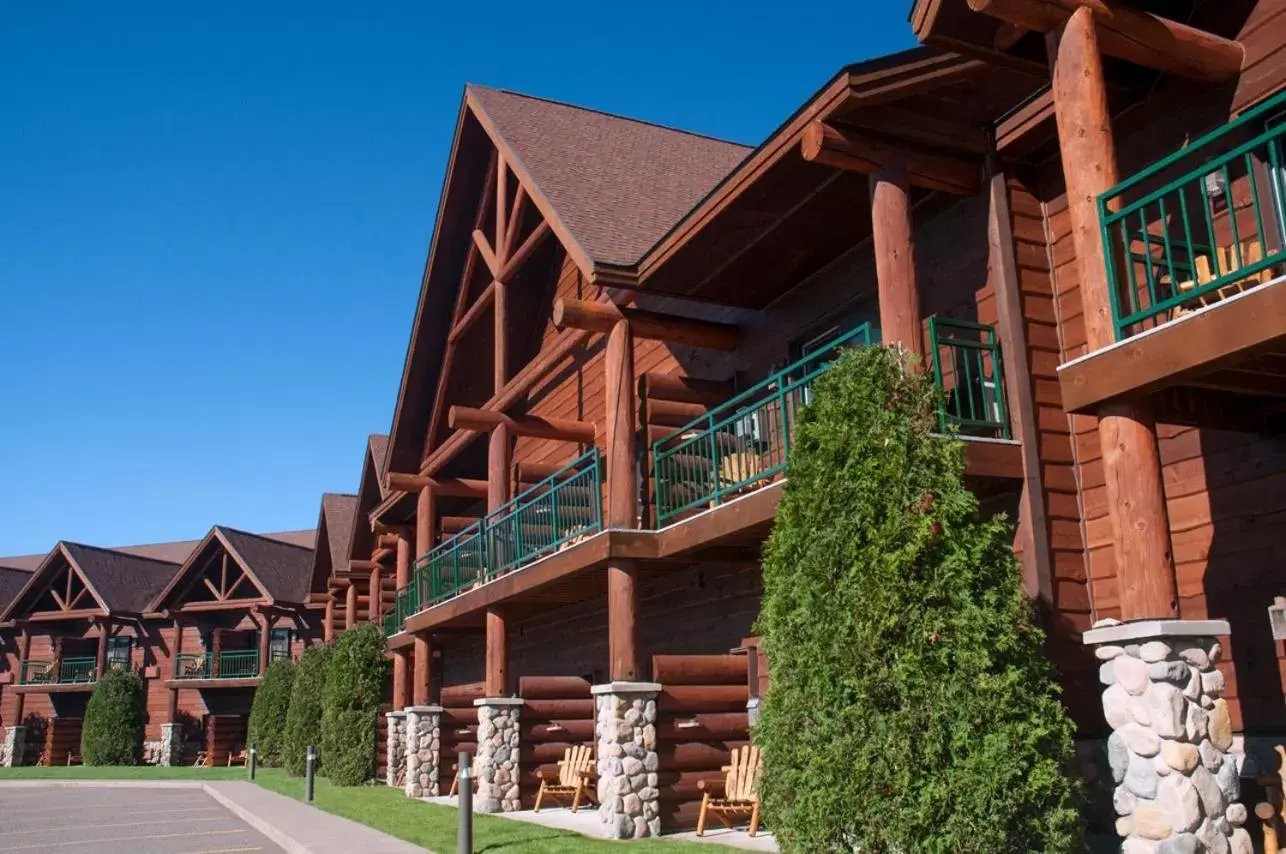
(295, 826)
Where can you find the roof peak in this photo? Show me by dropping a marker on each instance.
(117, 551)
(606, 114)
(266, 538)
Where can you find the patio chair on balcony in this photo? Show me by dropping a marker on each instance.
(1252, 252)
(576, 772)
(737, 794)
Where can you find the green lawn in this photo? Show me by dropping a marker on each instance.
(124, 772)
(433, 826)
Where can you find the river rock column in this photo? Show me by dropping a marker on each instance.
(171, 745)
(422, 746)
(12, 752)
(1176, 782)
(625, 724)
(498, 736)
(395, 747)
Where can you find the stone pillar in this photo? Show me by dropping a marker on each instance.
(1176, 782)
(625, 723)
(395, 747)
(498, 754)
(423, 746)
(13, 751)
(171, 745)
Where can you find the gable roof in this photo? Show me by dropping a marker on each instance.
(23, 563)
(334, 532)
(371, 490)
(617, 184)
(119, 582)
(283, 569)
(11, 582)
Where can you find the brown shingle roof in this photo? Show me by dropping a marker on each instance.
(377, 443)
(334, 533)
(284, 569)
(126, 582)
(617, 184)
(11, 581)
(23, 563)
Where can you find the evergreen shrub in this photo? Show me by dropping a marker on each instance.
(267, 727)
(910, 706)
(351, 704)
(112, 732)
(304, 717)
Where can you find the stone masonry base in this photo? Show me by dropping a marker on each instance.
(625, 725)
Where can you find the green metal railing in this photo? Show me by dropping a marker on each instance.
(1224, 190)
(552, 514)
(561, 509)
(233, 664)
(741, 443)
(66, 671)
(967, 370)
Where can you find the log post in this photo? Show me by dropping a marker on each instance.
(401, 696)
(104, 634)
(496, 678)
(328, 618)
(24, 650)
(350, 604)
(402, 578)
(1127, 431)
(265, 640)
(423, 673)
(172, 712)
(375, 597)
(425, 512)
(894, 244)
(622, 502)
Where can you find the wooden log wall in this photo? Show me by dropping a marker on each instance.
(62, 738)
(459, 728)
(224, 735)
(381, 742)
(557, 713)
(701, 719)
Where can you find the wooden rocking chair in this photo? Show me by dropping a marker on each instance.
(575, 771)
(738, 794)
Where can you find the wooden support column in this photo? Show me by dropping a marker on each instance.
(496, 678)
(401, 696)
(425, 514)
(104, 633)
(172, 712)
(402, 578)
(328, 618)
(350, 604)
(423, 670)
(24, 650)
(622, 502)
(1127, 431)
(265, 639)
(894, 244)
(375, 598)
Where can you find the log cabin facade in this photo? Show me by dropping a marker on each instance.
(617, 322)
(85, 609)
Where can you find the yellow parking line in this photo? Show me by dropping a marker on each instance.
(183, 819)
(121, 839)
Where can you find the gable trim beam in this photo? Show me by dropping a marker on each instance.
(830, 145)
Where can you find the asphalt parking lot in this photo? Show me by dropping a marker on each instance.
(122, 821)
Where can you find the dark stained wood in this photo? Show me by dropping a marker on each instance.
(422, 677)
(1036, 558)
(622, 620)
(401, 682)
(1127, 431)
(843, 148)
(684, 389)
(894, 242)
(602, 317)
(450, 487)
(425, 513)
(622, 477)
(499, 457)
(1181, 353)
(699, 669)
(497, 664)
(1131, 34)
(537, 427)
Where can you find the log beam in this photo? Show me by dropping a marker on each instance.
(603, 316)
(1131, 34)
(848, 149)
(532, 426)
(682, 389)
(894, 244)
(1140, 525)
(451, 487)
(456, 524)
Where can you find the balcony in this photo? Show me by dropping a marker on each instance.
(65, 671)
(737, 448)
(1194, 248)
(205, 666)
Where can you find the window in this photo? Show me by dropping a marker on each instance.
(279, 645)
(119, 651)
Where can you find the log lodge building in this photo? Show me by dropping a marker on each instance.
(1073, 212)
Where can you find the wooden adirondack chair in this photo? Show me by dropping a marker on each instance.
(455, 776)
(738, 794)
(1251, 252)
(575, 772)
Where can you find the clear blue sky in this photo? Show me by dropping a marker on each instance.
(214, 218)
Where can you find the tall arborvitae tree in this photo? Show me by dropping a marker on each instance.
(303, 718)
(351, 704)
(267, 728)
(910, 705)
(112, 732)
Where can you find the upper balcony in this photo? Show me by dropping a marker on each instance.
(1195, 252)
(65, 673)
(736, 448)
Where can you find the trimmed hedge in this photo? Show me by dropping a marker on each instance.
(112, 733)
(303, 718)
(267, 727)
(910, 706)
(351, 704)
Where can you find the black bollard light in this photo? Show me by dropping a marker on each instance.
(250, 761)
(310, 770)
(465, 775)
